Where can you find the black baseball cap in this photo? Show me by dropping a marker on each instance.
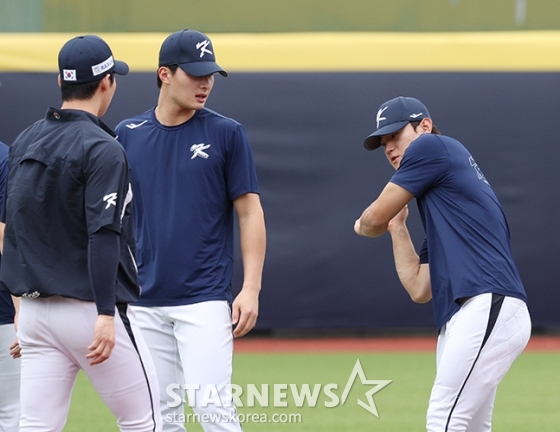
(86, 59)
(192, 51)
(393, 115)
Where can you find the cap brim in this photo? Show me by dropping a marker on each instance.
(121, 68)
(199, 69)
(373, 141)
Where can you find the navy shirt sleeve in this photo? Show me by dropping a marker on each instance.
(424, 165)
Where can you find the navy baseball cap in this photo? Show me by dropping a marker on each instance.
(88, 58)
(192, 51)
(393, 115)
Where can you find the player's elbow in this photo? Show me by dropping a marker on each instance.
(420, 299)
(372, 226)
(421, 296)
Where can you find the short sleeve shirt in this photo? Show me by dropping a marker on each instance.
(185, 179)
(467, 236)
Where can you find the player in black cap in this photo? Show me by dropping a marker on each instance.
(68, 253)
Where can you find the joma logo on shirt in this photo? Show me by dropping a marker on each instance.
(110, 199)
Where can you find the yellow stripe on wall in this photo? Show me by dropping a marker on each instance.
(310, 52)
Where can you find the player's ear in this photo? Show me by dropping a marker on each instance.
(59, 81)
(164, 73)
(426, 125)
(106, 82)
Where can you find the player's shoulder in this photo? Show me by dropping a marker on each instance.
(214, 116)
(432, 144)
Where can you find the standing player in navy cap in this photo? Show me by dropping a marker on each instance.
(9, 367)
(68, 253)
(191, 168)
(465, 265)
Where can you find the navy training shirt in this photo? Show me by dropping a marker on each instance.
(68, 177)
(184, 180)
(467, 240)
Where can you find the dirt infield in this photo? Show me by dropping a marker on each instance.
(393, 344)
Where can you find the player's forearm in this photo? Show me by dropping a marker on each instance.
(372, 222)
(103, 263)
(252, 235)
(413, 276)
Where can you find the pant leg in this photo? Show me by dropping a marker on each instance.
(480, 343)
(205, 340)
(482, 420)
(47, 373)
(127, 380)
(157, 331)
(9, 381)
(507, 341)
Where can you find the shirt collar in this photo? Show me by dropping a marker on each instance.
(69, 115)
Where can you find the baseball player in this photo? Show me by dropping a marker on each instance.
(191, 168)
(68, 253)
(9, 367)
(465, 265)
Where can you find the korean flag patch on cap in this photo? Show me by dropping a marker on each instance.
(69, 74)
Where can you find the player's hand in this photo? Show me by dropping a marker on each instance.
(245, 310)
(103, 340)
(15, 350)
(399, 220)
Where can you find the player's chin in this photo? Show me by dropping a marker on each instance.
(200, 101)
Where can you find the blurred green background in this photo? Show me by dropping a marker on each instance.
(277, 16)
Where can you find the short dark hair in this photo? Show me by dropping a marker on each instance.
(435, 130)
(81, 91)
(172, 69)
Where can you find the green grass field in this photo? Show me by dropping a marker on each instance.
(528, 398)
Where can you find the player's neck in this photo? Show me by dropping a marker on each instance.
(171, 115)
(89, 106)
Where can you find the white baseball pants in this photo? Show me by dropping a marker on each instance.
(476, 348)
(192, 347)
(54, 334)
(9, 381)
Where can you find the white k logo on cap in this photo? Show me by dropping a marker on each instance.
(379, 118)
(202, 47)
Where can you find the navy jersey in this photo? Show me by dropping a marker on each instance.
(184, 180)
(467, 240)
(7, 311)
(68, 177)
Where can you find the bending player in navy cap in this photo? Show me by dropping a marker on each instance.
(465, 265)
(9, 367)
(68, 253)
(191, 168)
